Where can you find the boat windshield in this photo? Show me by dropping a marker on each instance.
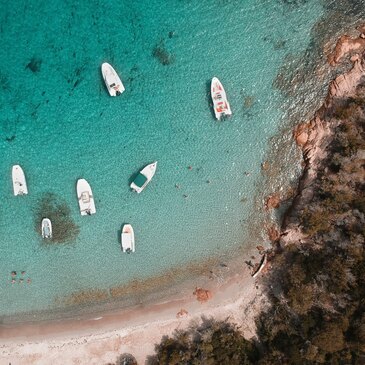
(85, 197)
(112, 85)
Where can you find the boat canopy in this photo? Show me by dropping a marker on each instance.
(85, 197)
(140, 180)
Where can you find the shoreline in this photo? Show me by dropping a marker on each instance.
(169, 286)
(102, 338)
(313, 136)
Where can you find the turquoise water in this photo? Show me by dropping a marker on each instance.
(58, 122)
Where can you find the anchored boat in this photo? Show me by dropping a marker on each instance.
(219, 97)
(112, 80)
(85, 197)
(144, 177)
(127, 239)
(19, 182)
(46, 228)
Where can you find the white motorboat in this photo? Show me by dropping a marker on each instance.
(46, 228)
(219, 97)
(85, 197)
(144, 177)
(19, 182)
(127, 239)
(112, 80)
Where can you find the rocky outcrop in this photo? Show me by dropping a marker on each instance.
(345, 84)
(347, 45)
(344, 46)
(272, 201)
(314, 136)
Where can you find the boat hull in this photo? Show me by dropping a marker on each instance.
(220, 103)
(85, 198)
(127, 239)
(112, 80)
(46, 228)
(148, 172)
(19, 182)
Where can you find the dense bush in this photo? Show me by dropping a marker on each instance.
(317, 309)
(210, 343)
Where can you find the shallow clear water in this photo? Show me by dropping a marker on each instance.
(58, 122)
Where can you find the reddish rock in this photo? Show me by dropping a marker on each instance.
(265, 165)
(272, 201)
(301, 134)
(344, 46)
(273, 233)
(182, 313)
(202, 295)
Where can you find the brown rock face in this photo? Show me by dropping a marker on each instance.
(272, 201)
(301, 134)
(344, 46)
(273, 233)
(202, 295)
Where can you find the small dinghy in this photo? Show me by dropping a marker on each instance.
(46, 228)
(85, 197)
(112, 80)
(260, 266)
(19, 182)
(219, 97)
(127, 239)
(144, 177)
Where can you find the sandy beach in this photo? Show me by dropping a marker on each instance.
(101, 339)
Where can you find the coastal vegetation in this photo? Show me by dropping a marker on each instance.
(211, 342)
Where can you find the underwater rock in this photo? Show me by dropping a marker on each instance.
(4, 82)
(280, 44)
(248, 101)
(34, 65)
(162, 55)
(272, 201)
(52, 207)
(10, 139)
